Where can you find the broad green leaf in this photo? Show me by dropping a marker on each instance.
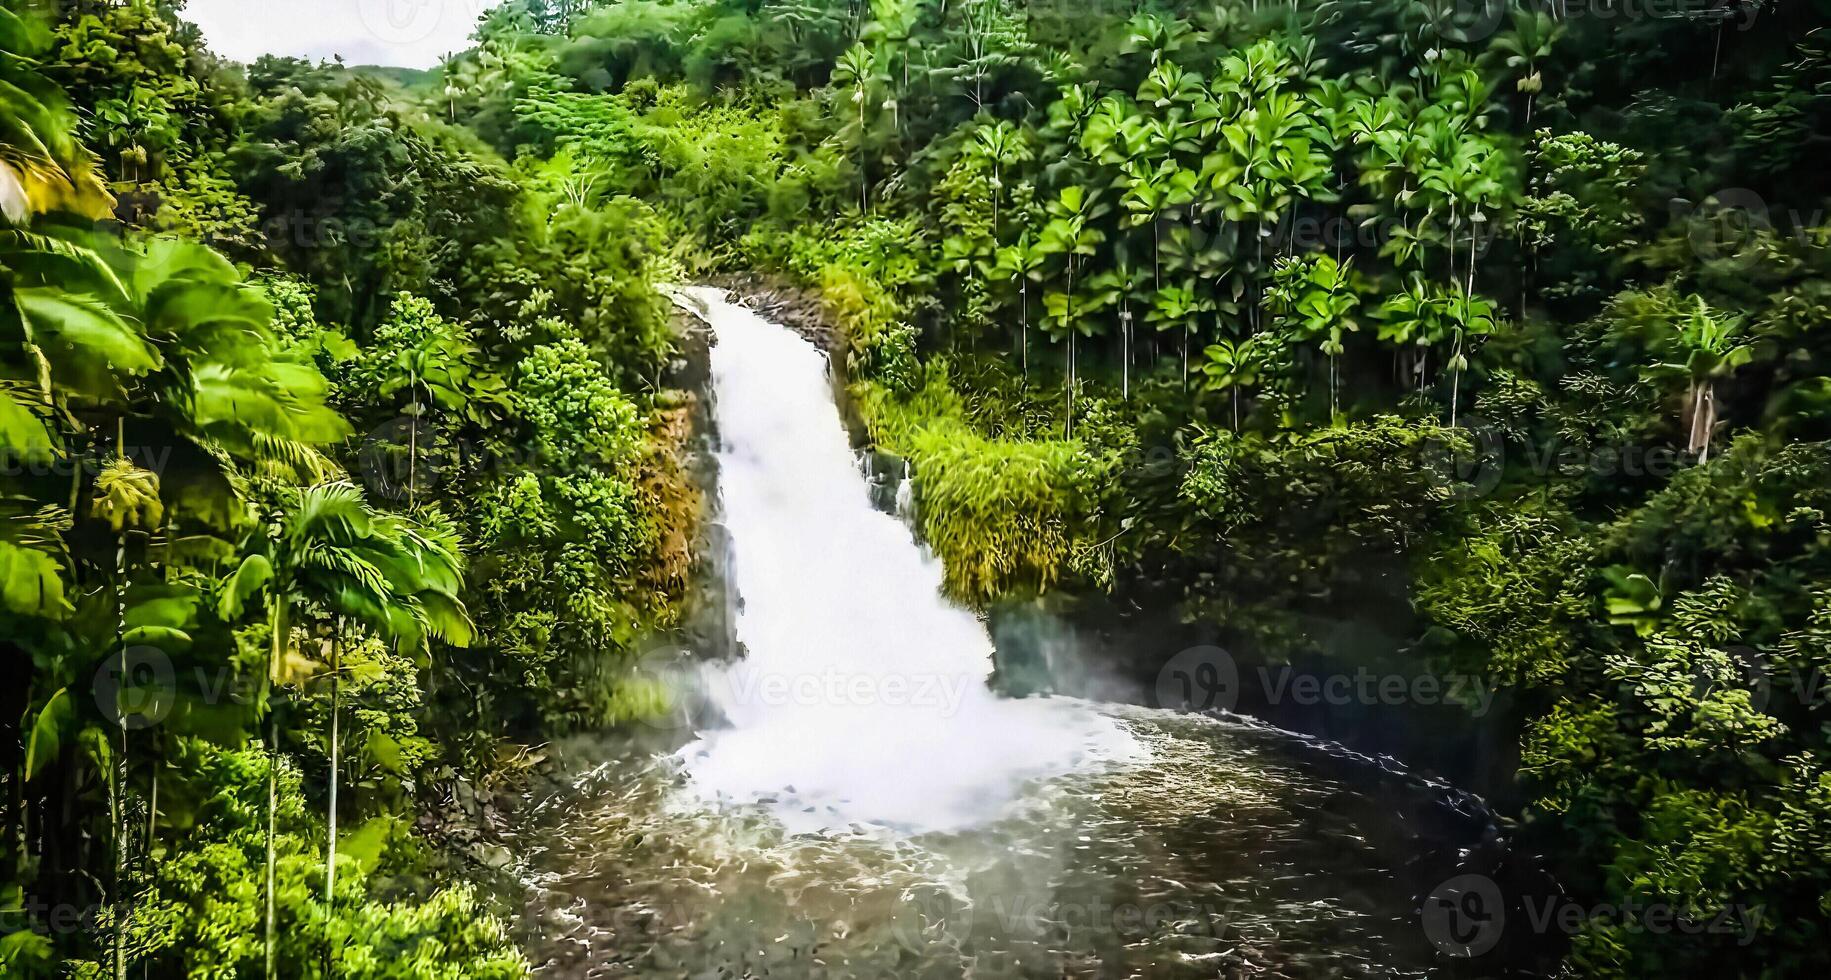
(48, 732)
(22, 434)
(31, 582)
(158, 636)
(254, 572)
(89, 325)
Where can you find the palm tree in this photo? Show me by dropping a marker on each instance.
(127, 497)
(1232, 365)
(1124, 281)
(1415, 319)
(1002, 145)
(1207, 258)
(1471, 316)
(1533, 39)
(1178, 307)
(326, 548)
(857, 68)
(1071, 234)
(1024, 264)
(1315, 298)
(1704, 346)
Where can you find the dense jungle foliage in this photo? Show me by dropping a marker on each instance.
(1492, 328)
(337, 474)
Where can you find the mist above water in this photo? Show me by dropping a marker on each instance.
(862, 698)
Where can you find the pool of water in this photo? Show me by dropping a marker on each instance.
(1224, 850)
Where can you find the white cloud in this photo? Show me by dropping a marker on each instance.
(405, 33)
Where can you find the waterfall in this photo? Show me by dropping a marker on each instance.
(862, 697)
(905, 497)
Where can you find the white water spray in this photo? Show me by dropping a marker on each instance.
(862, 697)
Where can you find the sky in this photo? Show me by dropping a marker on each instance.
(403, 33)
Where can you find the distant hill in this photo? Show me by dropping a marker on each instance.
(407, 78)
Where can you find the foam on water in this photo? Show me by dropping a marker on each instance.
(862, 697)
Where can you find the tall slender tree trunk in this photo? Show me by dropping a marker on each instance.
(997, 192)
(1701, 416)
(1156, 251)
(1333, 383)
(413, 442)
(117, 774)
(1068, 321)
(1709, 425)
(273, 762)
(1468, 292)
(1125, 350)
(330, 859)
(1023, 325)
(1455, 377)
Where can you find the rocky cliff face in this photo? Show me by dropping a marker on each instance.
(698, 543)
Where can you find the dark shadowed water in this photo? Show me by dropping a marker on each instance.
(1230, 851)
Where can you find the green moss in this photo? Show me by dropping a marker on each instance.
(1004, 515)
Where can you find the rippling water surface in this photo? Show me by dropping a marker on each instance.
(1221, 854)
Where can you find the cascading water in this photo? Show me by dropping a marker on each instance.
(871, 809)
(862, 697)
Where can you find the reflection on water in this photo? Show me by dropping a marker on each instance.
(1220, 855)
